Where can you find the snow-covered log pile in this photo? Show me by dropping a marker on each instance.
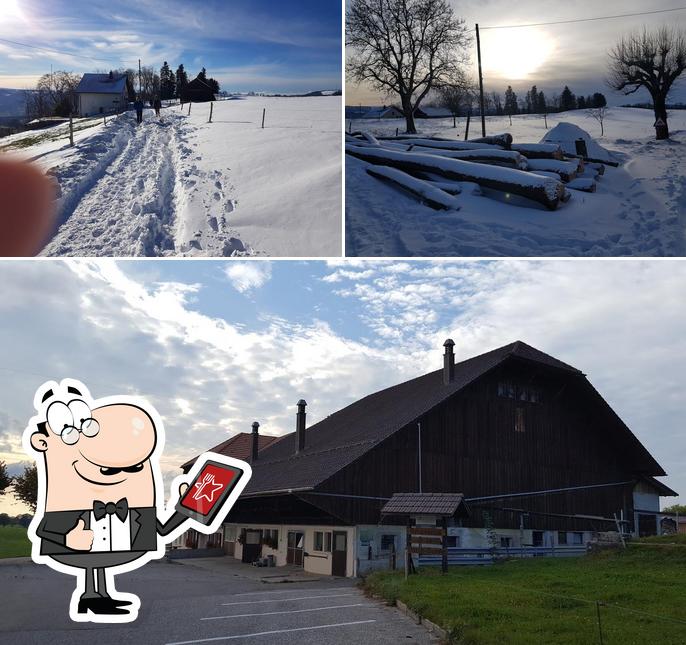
(434, 169)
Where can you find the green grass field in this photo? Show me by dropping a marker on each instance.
(13, 542)
(552, 600)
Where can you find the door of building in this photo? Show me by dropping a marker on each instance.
(647, 525)
(339, 553)
(252, 548)
(295, 547)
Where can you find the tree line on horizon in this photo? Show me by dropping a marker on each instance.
(463, 99)
(55, 93)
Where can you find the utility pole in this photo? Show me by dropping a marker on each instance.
(481, 83)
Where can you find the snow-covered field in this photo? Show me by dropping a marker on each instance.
(183, 186)
(638, 209)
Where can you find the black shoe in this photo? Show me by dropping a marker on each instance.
(117, 603)
(106, 606)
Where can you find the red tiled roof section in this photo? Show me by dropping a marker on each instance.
(239, 447)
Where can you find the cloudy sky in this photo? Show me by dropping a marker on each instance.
(551, 56)
(271, 45)
(216, 345)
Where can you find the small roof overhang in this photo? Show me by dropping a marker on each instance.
(439, 504)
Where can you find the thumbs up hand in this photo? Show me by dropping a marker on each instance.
(79, 538)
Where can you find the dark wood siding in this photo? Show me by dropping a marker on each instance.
(470, 445)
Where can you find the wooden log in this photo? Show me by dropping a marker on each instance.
(584, 184)
(566, 169)
(503, 140)
(543, 190)
(431, 195)
(370, 138)
(506, 158)
(443, 145)
(539, 150)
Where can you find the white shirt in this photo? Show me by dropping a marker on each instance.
(110, 533)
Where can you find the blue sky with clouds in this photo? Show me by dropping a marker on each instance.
(270, 45)
(216, 345)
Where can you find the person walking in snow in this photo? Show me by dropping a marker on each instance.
(139, 110)
(157, 104)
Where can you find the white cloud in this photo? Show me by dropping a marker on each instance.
(247, 276)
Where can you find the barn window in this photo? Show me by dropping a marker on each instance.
(537, 537)
(387, 542)
(505, 542)
(577, 538)
(562, 537)
(322, 541)
(519, 420)
(452, 541)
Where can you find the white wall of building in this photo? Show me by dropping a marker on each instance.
(319, 562)
(91, 103)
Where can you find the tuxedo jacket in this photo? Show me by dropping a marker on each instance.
(55, 525)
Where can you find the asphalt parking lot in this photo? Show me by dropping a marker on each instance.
(188, 604)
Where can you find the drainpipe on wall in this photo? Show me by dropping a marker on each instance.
(419, 453)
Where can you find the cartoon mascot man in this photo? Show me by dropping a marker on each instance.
(99, 509)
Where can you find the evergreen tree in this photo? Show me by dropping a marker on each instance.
(542, 105)
(167, 82)
(203, 75)
(181, 79)
(567, 100)
(581, 103)
(511, 106)
(532, 100)
(599, 100)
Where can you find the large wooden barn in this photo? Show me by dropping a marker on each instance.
(538, 455)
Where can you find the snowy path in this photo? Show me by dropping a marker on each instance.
(136, 190)
(129, 209)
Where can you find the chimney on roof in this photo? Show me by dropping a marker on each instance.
(255, 441)
(300, 427)
(448, 362)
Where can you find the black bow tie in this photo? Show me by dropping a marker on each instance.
(121, 509)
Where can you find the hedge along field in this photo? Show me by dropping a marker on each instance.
(553, 600)
(13, 542)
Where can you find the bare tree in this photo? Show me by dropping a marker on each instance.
(457, 97)
(405, 47)
(599, 115)
(54, 95)
(652, 60)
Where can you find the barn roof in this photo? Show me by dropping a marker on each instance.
(101, 84)
(444, 504)
(239, 447)
(344, 436)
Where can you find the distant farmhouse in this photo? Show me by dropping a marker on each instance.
(197, 91)
(512, 446)
(103, 93)
(394, 112)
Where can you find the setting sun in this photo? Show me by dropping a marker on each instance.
(515, 54)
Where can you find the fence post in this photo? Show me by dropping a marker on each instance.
(71, 130)
(396, 132)
(600, 627)
(545, 118)
(104, 119)
(466, 130)
(189, 108)
(264, 111)
(211, 107)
